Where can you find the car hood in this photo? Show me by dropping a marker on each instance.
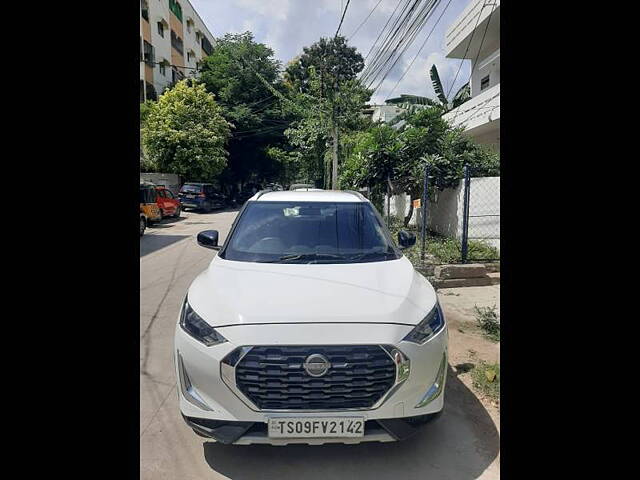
(243, 293)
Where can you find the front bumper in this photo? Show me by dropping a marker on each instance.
(244, 423)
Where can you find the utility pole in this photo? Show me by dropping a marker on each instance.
(334, 173)
(334, 134)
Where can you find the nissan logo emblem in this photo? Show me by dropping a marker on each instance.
(316, 365)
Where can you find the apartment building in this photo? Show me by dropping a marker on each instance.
(475, 35)
(173, 38)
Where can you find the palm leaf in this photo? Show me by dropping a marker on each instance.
(461, 95)
(437, 86)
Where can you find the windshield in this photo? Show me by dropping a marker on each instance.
(191, 188)
(148, 195)
(310, 232)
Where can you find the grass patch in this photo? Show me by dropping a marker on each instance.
(445, 249)
(486, 378)
(487, 318)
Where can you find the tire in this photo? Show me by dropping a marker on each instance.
(143, 226)
(177, 214)
(162, 217)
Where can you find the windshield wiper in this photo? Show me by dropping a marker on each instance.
(370, 255)
(311, 256)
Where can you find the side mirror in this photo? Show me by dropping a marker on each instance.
(406, 239)
(208, 239)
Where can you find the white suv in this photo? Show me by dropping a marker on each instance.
(309, 326)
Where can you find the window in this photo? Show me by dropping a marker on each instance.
(141, 91)
(189, 56)
(161, 29)
(484, 83)
(188, 188)
(151, 92)
(144, 9)
(304, 232)
(148, 53)
(176, 42)
(176, 75)
(176, 9)
(163, 68)
(169, 194)
(206, 45)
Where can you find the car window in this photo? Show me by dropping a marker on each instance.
(147, 195)
(310, 232)
(191, 188)
(169, 194)
(161, 193)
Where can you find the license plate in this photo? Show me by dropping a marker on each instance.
(324, 427)
(191, 196)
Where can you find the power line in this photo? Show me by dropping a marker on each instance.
(172, 65)
(383, 29)
(365, 20)
(396, 46)
(406, 27)
(416, 55)
(467, 50)
(342, 19)
(393, 29)
(475, 61)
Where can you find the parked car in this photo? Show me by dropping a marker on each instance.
(169, 204)
(148, 202)
(201, 196)
(143, 223)
(309, 326)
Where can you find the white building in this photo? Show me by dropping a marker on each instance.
(173, 38)
(466, 39)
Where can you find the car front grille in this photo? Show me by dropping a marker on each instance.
(274, 378)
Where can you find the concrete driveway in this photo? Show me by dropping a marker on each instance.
(462, 444)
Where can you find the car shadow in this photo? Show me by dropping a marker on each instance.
(460, 444)
(152, 243)
(166, 222)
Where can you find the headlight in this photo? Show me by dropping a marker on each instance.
(195, 326)
(428, 327)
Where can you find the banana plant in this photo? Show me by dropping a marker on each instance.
(461, 96)
(412, 103)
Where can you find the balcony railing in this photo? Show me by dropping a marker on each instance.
(478, 110)
(176, 42)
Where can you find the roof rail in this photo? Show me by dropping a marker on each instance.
(357, 194)
(262, 192)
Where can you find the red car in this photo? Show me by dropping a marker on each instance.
(168, 203)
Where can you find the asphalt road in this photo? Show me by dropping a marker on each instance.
(463, 444)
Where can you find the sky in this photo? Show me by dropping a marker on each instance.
(287, 26)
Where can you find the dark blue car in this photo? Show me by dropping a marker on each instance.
(200, 196)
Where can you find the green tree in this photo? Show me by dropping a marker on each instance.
(242, 74)
(331, 59)
(398, 157)
(185, 133)
(146, 165)
(318, 115)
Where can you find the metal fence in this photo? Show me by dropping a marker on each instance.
(462, 223)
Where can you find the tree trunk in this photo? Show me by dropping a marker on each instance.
(408, 217)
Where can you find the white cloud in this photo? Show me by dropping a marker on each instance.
(289, 25)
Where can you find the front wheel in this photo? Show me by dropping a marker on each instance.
(143, 226)
(177, 214)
